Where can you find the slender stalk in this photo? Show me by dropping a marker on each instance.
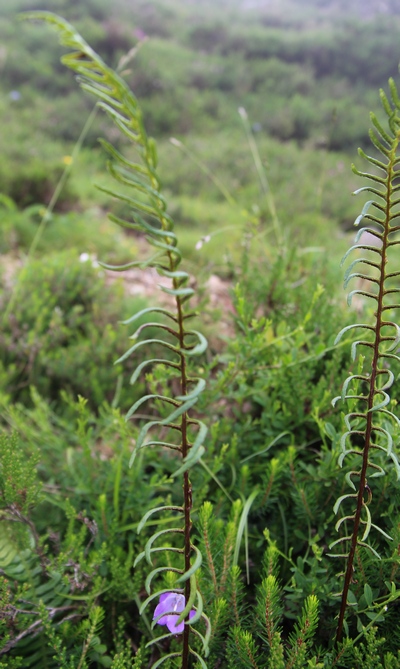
(215, 179)
(50, 207)
(369, 414)
(187, 488)
(264, 184)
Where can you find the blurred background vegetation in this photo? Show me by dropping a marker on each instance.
(305, 72)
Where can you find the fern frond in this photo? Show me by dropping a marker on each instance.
(136, 183)
(367, 438)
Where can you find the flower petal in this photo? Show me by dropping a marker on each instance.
(170, 602)
(165, 605)
(164, 596)
(172, 626)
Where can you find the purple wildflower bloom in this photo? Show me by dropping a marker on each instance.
(169, 602)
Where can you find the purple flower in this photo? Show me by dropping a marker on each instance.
(169, 602)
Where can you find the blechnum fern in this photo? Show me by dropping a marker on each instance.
(185, 434)
(368, 439)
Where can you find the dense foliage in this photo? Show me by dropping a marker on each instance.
(107, 523)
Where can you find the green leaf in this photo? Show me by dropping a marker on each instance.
(195, 566)
(351, 598)
(242, 524)
(156, 361)
(169, 656)
(156, 510)
(368, 594)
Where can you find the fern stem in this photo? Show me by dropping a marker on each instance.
(187, 488)
(371, 395)
(187, 492)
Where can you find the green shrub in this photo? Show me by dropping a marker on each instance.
(90, 233)
(34, 183)
(61, 333)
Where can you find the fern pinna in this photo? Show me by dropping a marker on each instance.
(370, 424)
(186, 433)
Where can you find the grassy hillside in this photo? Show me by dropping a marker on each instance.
(306, 73)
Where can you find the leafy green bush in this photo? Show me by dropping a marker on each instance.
(60, 334)
(89, 233)
(34, 185)
(91, 535)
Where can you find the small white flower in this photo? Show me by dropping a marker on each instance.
(202, 241)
